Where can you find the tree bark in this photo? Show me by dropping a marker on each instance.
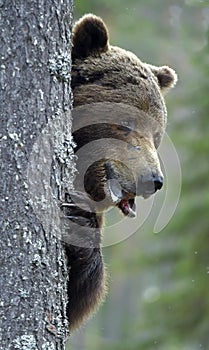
(37, 166)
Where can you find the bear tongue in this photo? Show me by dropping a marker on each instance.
(126, 204)
(128, 207)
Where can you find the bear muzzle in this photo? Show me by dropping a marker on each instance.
(148, 185)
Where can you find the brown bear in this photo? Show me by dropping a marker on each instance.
(119, 120)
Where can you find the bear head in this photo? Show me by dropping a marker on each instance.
(119, 118)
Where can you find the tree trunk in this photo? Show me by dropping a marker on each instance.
(37, 166)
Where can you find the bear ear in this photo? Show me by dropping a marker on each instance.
(90, 36)
(166, 76)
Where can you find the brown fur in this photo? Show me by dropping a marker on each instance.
(119, 100)
(91, 36)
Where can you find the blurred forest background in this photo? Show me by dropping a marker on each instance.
(159, 283)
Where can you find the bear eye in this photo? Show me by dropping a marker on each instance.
(157, 139)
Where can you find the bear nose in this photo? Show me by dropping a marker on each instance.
(158, 182)
(149, 184)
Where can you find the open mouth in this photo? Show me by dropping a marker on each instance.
(123, 200)
(128, 207)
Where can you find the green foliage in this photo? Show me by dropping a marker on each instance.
(159, 284)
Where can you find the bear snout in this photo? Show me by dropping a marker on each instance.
(148, 185)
